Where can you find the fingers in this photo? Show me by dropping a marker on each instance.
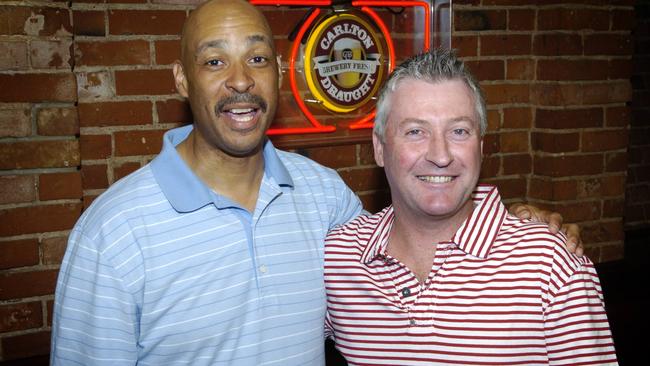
(521, 211)
(554, 220)
(574, 241)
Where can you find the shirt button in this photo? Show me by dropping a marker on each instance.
(412, 321)
(263, 268)
(406, 292)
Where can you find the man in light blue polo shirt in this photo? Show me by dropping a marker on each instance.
(212, 254)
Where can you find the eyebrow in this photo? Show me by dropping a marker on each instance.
(220, 43)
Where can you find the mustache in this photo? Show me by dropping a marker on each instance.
(240, 98)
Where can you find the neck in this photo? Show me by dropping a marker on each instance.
(414, 238)
(237, 178)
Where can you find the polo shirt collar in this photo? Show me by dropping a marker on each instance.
(475, 236)
(184, 190)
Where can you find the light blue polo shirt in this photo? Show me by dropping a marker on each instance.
(161, 270)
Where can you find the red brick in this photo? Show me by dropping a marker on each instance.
(94, 85)
(15, 122)
(167, 51)
(115, 113)
(612, 185)
(608, 44)
(20, 316)
(50, 87)
(57, 121)
(604, 140)
(59, 186)
(572, 69)
(603, 231)
(125, 169)
(131, 143)
(375, 201)
(610, 253)
(555, 94)
(332, 156)
(568, 118)
(511, 187)
(95, 146)
(466, 46)
(51, 54)
(144, 82)
(506, 93)
(174, 111)
(89, 23)
(517, 117)
(623, 19)
(615, 162)
(514, 142)
(88, 200)
(517, 164)
(479, 20)
(19, 253)
(39, 154)
(505, 44)
(92, 53)
(490, 166)
(521, 19)
(487, 69)
(53, 249)
(613, 208)
(366, 154)
(520, 69)
(617, 116)
(158, 22)
(13, 55)
(288, 109)
(26, 345)
(557, 44)
(20, 220)
(572, 19)
(579, 211)
(364, 179)
(283, 21)
(556, 142)
(493, 120)
(94, 176)
(568, 165)
(619, 91)
(17, 285)
(491, 143)
(553, 190)
(620, 69)
(33, 21)
(17, 189)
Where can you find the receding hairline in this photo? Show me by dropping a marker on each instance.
(243, 6)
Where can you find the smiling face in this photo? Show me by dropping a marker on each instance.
(230, 74)
(431, 151)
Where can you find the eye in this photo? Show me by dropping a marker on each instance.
(214, 62)
(258, 60)
(413, 132)
(460, 132)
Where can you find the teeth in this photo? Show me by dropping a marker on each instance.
(242, 118)
(241, 110)
(435, 178)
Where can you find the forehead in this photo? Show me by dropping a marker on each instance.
(224, 21)
(432, 99)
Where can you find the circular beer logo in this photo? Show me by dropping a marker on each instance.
(344, 62)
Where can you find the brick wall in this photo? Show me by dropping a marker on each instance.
(86, 92)
(637, 207)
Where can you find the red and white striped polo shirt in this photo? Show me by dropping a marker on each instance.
(502, 291)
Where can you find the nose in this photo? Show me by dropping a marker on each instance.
(239, 79)
(439, 152)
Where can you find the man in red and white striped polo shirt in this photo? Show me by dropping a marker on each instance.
(445, 275)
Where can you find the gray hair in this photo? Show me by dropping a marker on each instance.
(433, 66)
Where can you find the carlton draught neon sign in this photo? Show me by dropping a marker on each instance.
(343, 57)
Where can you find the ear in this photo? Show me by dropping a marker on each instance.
(278, 60)
(378, 147)
(179, 79)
